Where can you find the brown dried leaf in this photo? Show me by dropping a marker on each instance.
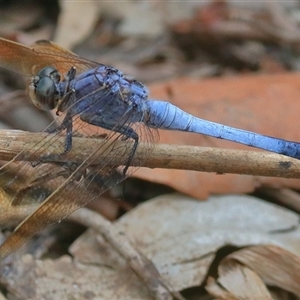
(266, 104)
(237, 282)
(177, 234)
(181, 235)
(275, 265)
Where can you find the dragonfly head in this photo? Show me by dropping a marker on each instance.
(43, 89)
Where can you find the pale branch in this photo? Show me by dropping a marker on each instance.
(138, 262)
(204, 159)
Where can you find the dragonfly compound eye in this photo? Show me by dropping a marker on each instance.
(49, 72)
(43, 91)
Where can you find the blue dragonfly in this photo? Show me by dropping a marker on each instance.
(89, 94)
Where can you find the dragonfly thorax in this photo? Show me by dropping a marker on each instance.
(43, 89)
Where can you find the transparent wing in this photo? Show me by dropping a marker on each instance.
(29, 60)
(71, 185)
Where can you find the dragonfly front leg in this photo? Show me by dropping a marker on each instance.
(67, 125)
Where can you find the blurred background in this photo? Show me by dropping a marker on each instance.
(154, 41)
(233, 62)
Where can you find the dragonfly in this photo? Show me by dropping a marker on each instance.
(88, 94)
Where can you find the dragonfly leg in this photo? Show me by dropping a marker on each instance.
(67, 125)
(125, 130)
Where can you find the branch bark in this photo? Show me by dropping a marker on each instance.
(204, 159)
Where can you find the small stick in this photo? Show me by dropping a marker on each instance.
(204, 159)
(139, 263)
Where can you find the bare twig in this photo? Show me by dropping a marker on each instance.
(139, 263)
(203, 159)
